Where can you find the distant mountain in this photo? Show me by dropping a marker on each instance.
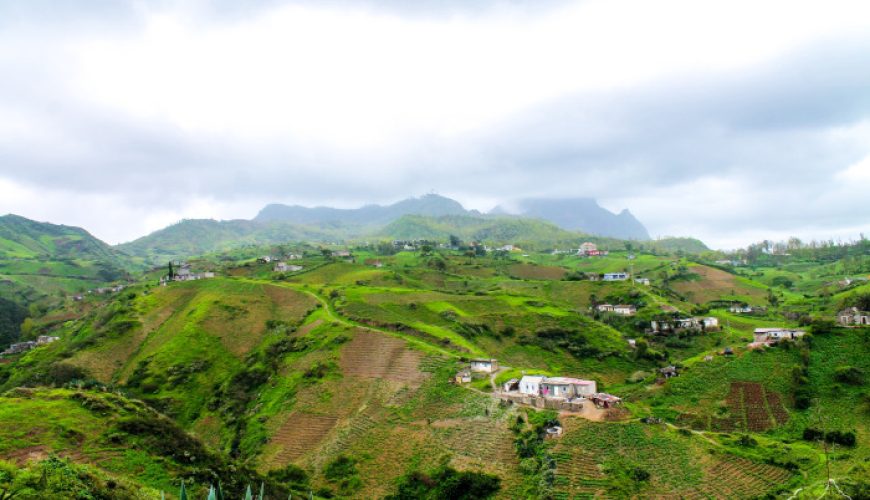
(674, 244)
(582, 214)
(429, 216)
(369, 215)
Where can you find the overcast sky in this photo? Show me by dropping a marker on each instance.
(730, 121)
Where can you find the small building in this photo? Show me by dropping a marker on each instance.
(740, 309)
(463, 377)
(511, 385)
(604, 307)
(604, 400)
(622, 276)
(343, 254)
(265, 259)
(587, 247)
(484, 365)
(728, 351)
(294, 256)
(632, 343)
(531, 384)
(642, 281)
(669, 371)
(283, 267)
(566, 387)
(208, 274)
(708, 358)
(78, 297)
(852, 316)
(46, 339)
(770, 336)
(625, 309)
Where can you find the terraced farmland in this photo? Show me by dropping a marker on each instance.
(300, 434)
(375, 355)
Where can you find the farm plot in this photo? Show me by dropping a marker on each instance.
(374, 355)
(734, 477)
(713, 284)
(300, 434)
(534, 272)
(751, 408)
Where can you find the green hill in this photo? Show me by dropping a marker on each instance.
(43, 263)
(340, 376)
(484, 229)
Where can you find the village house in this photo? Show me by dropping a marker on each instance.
(853, 316)
(604, 400)
(46, 339)
(593, 276)
(343, 254)
(604, 307)
(531, 384)
(566, 387)
(615, 276)
(768, 336)
(587, 247)
(294, 256)
(484, 365)
(463, 377)
(511, 385)
(669, 371)
(19, 347)
(266, 259)
(740, 308)
(676, 325)
(625, 309)
(283, 267)
(642, 281)
(78, 297)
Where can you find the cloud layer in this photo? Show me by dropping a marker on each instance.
(730, 121)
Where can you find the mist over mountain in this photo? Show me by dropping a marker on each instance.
(572, 214)
(582, 214)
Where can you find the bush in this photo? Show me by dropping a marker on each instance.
(849, 375)
(844, 438)
(446, 482)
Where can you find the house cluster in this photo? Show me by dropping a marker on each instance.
(682, 324)
(182, 272)
(621, 276)
(589, 249)
(560, 393)
(853, 316)
(20, 347)
(620, 309)
(283, 267)
(770, 336)
(746, 309)
(99, 291)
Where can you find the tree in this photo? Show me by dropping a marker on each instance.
(171, 270)
(455, 242)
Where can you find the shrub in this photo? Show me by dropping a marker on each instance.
(446, 482)
(849, 375)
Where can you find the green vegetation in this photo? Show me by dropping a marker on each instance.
(338, 379)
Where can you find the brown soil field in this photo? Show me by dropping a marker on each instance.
(532, 272)
(713, 285)
(375, 355)
(300, 434)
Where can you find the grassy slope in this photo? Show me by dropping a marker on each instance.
(404, 411)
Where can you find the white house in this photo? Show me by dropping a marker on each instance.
(773, 335)
(642, 281)
(853, 316)
(710, 322)
(740, 308)
(588, 247)
(531, 384)
(615, 276)
(625, 309)
(283, 267)
(484, 365)
(604, 307)
(566, 387)
(45, 339)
